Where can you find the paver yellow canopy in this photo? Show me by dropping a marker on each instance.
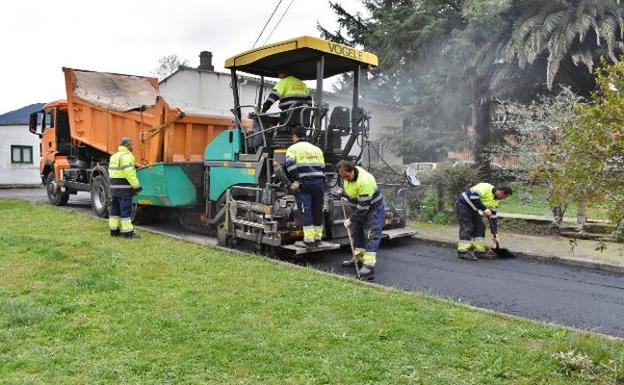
(300, 56)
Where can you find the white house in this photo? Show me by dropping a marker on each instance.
(203, 90)
(19, 156)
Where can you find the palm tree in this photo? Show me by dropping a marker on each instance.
(563, 35)
(533, 44)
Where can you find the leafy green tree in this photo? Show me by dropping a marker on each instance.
(407, 35)
(538, 130)
(590, 159)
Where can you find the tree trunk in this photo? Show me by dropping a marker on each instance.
(581, 213)
(440, 198)
(619, 230)
(481, 122)
(557, 210)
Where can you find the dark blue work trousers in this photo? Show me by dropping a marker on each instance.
(310, 199)
(367, 228)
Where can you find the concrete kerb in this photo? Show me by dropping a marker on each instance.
(571, 261)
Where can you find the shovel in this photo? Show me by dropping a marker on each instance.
(355, 261)
(500, 253)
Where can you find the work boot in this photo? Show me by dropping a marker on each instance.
(350, 263)
(131, 234)
(367, 273)
(479, 254)
(484, 255)
(468, 255)
(115, 233)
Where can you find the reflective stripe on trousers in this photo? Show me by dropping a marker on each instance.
(367, 233)
(120, 216)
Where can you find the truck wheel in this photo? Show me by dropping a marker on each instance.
(100, 196)
(53, 189)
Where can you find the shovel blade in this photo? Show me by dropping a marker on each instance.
(503, 253)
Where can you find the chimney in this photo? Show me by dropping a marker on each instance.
(205, 61)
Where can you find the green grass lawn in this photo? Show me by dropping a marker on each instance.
(534, 200)
(77, 307)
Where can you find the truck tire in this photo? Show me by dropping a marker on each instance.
(53, 189)
(100, 196)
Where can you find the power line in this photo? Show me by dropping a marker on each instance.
(279, 21)
(267, 23)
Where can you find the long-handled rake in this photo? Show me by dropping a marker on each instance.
(500, 252)
(355, 261)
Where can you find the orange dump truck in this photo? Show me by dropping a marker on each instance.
(78, 135)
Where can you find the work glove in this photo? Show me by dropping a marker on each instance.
(337, 192)
(137, 190)
(295, 186)
(486, 213)
(347, 223)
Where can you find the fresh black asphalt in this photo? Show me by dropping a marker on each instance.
(547, 291)
(573, 296)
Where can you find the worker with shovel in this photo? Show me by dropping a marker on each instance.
(477, 201)
(367, 219)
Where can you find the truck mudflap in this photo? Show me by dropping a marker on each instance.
(403, 232)
(323, 246)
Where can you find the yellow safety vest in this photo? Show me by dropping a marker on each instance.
(362, 190)
(305, 160)
(121, 170)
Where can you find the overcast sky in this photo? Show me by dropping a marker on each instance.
(40, 37)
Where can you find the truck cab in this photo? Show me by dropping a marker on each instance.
(51, 124)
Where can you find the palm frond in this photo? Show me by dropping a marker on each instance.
(585, 57)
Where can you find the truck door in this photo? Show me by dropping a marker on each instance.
(63, 138)
(48, 139)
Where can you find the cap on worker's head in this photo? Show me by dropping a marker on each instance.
(125, 141)
(300, 132)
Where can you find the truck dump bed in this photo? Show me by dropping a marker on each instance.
(103, 107)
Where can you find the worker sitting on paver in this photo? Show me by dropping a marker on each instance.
(290, 92)
(305, 165)
(367, 218)
(479, 200)
(123, 185)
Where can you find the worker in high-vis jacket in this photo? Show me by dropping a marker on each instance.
(123, 185)
(367, 217)
(478, 201)
(305, 167)
(290, 91)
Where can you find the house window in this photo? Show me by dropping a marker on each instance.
(22, 154)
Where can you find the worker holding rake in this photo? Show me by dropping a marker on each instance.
(367, 218)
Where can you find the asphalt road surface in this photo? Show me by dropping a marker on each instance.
(573, 296)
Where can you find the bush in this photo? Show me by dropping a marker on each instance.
(506, 175)
(448, 182)
(442, 218)
(444, 185)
